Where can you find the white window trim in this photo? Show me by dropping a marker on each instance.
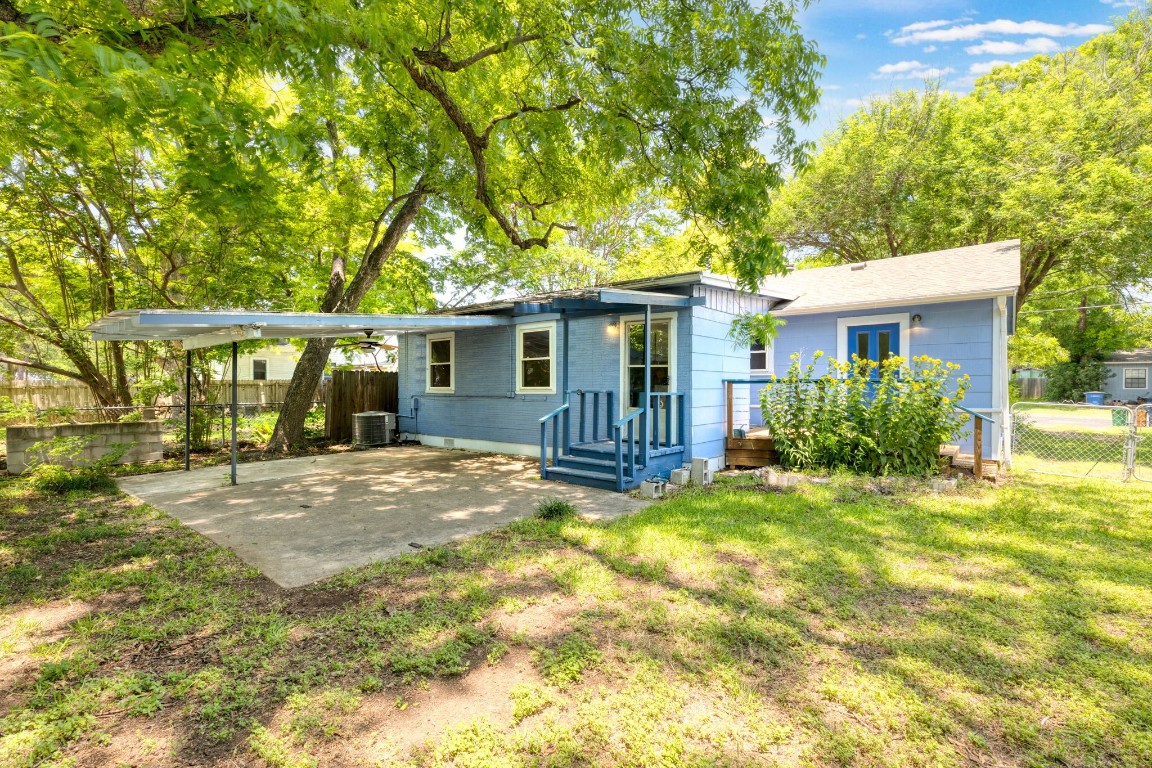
(1124, 378)
(253, 367)
(451, 337)
(844, 323)
(624, 320)
(769, 362)
(521, 329)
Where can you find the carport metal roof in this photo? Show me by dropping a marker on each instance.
(207, 329)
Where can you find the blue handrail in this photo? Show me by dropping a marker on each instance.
(554, 417)
(971, 412)
(618, 426)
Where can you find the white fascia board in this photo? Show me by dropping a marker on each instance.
(226, 336)
(905, 302)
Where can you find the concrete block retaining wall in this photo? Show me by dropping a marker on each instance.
(144, 437)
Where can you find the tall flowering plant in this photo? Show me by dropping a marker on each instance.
(887, 418)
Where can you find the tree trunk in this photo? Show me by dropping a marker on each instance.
(289, 431)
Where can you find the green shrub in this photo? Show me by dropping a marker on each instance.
(555, 509)
(882, 419)
(56, 466)
(15, 413)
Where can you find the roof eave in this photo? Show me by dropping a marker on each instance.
(913, 300)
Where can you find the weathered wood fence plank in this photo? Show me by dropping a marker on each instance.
(351, 392)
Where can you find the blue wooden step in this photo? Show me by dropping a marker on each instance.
(592, 465)
(590, 478)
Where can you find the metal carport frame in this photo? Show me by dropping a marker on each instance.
(200, 329)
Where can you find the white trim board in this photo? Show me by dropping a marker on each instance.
(672, 317)
(517, 352)
(904, 302)
(844, 323)
(451, 338)
(483, 446)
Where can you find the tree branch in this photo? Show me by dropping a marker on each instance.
(436, 58)
(43, 367)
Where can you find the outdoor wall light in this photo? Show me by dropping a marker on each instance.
(613, 329)
(916, 319)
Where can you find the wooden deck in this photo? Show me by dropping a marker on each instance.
(757, 449)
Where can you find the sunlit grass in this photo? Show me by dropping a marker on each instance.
(858, 622)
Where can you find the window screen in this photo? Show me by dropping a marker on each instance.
(260, 370)
(1135, 378)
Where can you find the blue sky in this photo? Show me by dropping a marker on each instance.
(876, 46)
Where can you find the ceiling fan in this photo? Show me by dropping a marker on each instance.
(369, 345)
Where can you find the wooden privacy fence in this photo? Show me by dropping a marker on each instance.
(1032, 389)
(351, 392)
(51, 394)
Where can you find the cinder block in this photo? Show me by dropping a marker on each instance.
(681, 476)
(701, 471)
(941, 484)
(652, 489)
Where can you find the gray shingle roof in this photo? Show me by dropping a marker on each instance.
(1143, 355)
(975, 270)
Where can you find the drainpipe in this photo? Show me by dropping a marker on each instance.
(1000, 362)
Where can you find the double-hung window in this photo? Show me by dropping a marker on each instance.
(1135, 378)
(259, 370)
(442, 362)
(535, 356)
(758, 358)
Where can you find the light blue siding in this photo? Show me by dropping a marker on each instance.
(957, 332)
(1114, 384)
(715, 358)
(485, 406)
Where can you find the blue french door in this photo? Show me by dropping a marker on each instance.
(874, 342)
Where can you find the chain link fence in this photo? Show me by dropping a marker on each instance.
(1078, 440)
(212, 422)
(1142, 451)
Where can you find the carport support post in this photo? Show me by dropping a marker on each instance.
(235, 407)
(187, 410)
(647, 416)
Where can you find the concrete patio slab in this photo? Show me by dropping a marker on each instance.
(303, 519)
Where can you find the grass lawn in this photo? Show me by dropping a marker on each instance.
(853, 623)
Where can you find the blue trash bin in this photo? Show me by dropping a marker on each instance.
(1094, 398)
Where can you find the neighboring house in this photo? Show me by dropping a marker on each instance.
(1130, 376)
(277, 362)
(551, 379)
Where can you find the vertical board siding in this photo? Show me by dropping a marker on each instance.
(352, 392)
(715, 358)
(959, 332)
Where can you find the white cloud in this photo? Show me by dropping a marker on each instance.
(951, 34)
(921, 26)
(911, 70)
(831, 87)
(1008, 47)
(929, 49)
(1123, 3)
(984, 67)
(861, 36)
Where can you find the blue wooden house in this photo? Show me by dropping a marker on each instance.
(608, 386)
(1129, 376)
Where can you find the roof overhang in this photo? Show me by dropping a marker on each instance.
(205, 329)
(821, 309)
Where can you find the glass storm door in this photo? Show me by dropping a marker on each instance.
(874, 342)
(634, 360)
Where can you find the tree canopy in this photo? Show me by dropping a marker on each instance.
(321, 135)
(1056, 151)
